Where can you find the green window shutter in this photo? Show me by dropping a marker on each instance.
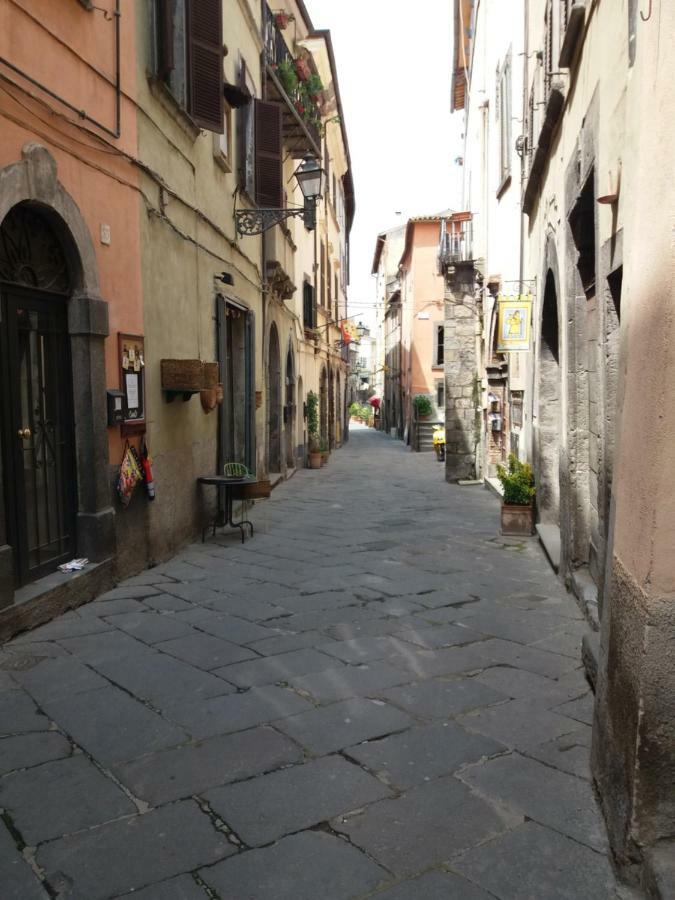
(268, 155)
(205, 61)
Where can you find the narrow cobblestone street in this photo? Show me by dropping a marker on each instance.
(376, 696)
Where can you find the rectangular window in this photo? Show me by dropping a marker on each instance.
(322, 275)
(440, 394)
(439, 350)
(246, 137)
(548, 50)
(308, 306)
(503, 106)
(222, 143)
(329, 282)
(189, 57)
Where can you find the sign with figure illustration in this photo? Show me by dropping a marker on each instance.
(515, 317)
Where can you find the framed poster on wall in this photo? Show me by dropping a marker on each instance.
(131, 350)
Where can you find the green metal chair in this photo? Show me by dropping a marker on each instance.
(236, 470)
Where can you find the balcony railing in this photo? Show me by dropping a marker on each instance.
(302, 116)
(456, 243)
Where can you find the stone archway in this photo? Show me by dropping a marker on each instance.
(290, 408)
(34, 180)
(273, 402)
(548, 430)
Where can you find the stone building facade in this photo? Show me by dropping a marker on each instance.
(588, 402)
(127, 188)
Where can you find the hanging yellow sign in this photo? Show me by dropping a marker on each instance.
(515, 318)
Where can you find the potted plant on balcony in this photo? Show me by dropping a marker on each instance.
(518, 505)
(313, 430)
(281, 19)
(288, 77)
(422, 406)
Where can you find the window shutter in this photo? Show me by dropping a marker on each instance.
(165, 37)
(268, 155)
(205, 55)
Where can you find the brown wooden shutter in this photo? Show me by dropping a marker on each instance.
(205, 61)
(165, 11)
(268, 155)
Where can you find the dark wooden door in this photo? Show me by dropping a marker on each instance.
(38, 433)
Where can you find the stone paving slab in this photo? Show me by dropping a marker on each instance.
(438, 699)
(184, 887)
(150, 627)
(264, 809)
(133, 853)
(26, 750)
(58, 677)
(236, 712)
(79, 796)
(422, 754)
(349, 681)
(191, 769)
(518, 724)
(425, 827)
(343, 724)
(304, 866)
(205, 651)
(18, 880)
(18, 714)
(112, 726)
(435, 886)
(550, 797)
(533, 862)
(273, 669)
(229, 628)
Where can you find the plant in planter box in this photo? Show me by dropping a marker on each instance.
(422, 406)
(518, 506)
(313, 430)
(281, 20)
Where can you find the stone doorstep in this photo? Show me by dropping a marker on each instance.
(49, 597)
(549, 536)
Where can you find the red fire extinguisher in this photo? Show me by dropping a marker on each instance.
(148, 477)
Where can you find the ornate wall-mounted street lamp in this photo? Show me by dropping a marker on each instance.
(309, 175)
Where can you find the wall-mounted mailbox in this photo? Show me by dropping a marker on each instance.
(115, 407)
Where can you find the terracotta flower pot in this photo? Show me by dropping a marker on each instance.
(282, 20)
(517, 520)
(314, 460)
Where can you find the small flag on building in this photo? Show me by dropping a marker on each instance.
(514, 324)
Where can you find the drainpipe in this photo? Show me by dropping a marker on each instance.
(523, 159)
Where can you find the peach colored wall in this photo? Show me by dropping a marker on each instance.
(72, 51)
(424, 293)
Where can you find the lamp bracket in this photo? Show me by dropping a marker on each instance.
(256, 221)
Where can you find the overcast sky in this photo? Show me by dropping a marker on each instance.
(394, 66)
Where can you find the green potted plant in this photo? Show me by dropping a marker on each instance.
(302, 68)
(288, 77)
(518, 504)
(422, 406)
(313, 430)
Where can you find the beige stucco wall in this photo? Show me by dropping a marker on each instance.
(188, 238)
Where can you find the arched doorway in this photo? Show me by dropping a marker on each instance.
(323, 406)
(549, 416)
(290, 408)
(36, 394)
(274, 402)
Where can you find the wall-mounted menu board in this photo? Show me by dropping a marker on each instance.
(132, 382)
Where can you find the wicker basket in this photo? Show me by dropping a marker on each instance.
(211, 375)
(182, 374)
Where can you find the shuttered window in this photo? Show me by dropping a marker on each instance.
(205, 55)
(189, 57)
(268, 155)
(246, 137)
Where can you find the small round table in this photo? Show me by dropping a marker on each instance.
(226, 483)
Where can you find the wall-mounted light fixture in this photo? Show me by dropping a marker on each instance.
(309, 175)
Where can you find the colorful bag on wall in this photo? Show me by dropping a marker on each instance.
(129, 475)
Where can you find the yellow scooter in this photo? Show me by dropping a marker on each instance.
(438, 440)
